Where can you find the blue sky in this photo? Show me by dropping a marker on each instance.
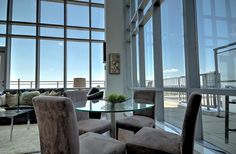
(52, 51)
(211, 34)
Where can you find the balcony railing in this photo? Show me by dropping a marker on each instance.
(53, 84)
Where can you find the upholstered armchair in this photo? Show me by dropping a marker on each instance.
(140, 119)
(58, 130)
(85, 123)
(152, 141)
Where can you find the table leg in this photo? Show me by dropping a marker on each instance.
(113, 125)
(12, 121)
(28, 121)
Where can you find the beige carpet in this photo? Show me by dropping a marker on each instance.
(27, 140)
(23, 141)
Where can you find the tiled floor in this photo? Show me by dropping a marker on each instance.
(213, 126)
(199, 147)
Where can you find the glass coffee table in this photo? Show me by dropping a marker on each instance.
(13, 113)
(107, 107)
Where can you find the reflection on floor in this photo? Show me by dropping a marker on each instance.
(213, 127)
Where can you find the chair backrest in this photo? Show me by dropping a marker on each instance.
(187, 137)
(57, 124)
(76, 95)
(79, 99)
(147, 96)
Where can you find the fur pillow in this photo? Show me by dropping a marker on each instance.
(3, 100)
(11, 99)
(54, 93)
(46, 93)
(26, 97)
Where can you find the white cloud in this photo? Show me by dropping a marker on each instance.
(172, 70)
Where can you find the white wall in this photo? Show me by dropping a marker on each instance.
(115, 43)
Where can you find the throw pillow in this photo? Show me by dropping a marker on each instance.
(26, 97)
(54, 93)
(46, 93)
(3, 100)
(11, 99)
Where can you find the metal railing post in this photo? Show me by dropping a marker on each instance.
(226, 119)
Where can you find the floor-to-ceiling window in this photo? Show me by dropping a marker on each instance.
(217, 61)
(52, 42)
(3, 16)
(26, 47)
(148, 54)
(142, 44)
(77, 67)
(173, 60)
(138, 60)
(192, 50)
(51, 63)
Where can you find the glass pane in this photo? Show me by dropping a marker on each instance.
(77, 15)
(148, 47)
(226, 67)
(3, 9)
(214, 121)
(217, 60)
(52, 12)
(175, 107)
(77, 62)
(137, 59)
(51, 64)
(232, 8)
(52, 32)
(80, 34)
(173, 44)
(98, 72)
(2, 29)
(219, 4)
(216, 30)
(97, 17)
(22, 49)
(24, 10)
(2, 42)
(23, 30)
(98, 1)
(133, 8)
(83, 0)
(98, 35)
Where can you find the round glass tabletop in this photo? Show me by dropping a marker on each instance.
(104, 106)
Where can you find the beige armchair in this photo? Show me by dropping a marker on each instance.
(86, 124)
(140, 119)
(58, 130)
(152, 141)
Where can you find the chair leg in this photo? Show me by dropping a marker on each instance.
(117, 133)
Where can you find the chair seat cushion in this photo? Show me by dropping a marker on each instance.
(94, 125)
(92, 143)
(152, 141)
(135, 122)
